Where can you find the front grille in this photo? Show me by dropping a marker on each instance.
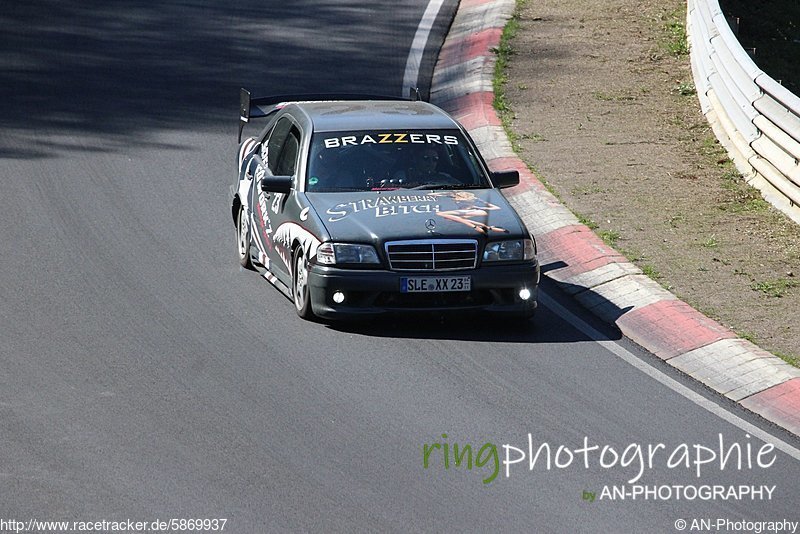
(432, 255)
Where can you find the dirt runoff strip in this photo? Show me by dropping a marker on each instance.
(596, 275)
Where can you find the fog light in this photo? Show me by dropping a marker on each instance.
(524, 293)
(338, 297)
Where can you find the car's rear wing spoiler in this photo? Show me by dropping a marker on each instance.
(254, 108)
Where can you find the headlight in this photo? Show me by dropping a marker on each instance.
(510, 250)
(337, 253)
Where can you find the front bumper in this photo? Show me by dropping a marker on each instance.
(495, 289)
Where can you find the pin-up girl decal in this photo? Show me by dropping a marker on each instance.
(470, 207)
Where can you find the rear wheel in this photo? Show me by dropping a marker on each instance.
(300, 290)
(243, 239)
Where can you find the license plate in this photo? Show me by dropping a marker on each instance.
(435, 284)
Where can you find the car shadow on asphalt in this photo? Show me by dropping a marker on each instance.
(550, 325)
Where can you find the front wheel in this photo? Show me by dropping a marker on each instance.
(243, 239)
(300, 290)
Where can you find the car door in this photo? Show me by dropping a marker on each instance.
(279, 155)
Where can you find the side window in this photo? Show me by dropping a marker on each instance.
(287, 160)
(275, 143)
(263, 142)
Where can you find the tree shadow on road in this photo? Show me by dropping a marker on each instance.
(125, 71)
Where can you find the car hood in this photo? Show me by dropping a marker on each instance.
(405, 214)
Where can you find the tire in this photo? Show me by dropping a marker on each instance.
(243, 240)
(300, 291)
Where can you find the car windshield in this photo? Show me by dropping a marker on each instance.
(379, 160)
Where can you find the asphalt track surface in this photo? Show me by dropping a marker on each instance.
(144, 376)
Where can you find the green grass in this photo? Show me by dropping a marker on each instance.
(586, 190)
(791, 360)
(503, 54)
(711, 148)
(775, 288)
(742, 197)
(711, 242)
(612, 97)
(609, 237)
(587, 222)
(730, 180)
(745, 204)
(749, 336)
(674, 30)
(651, 272)
(513, 138)
(685, 89)
(677, 43)
(675, 220)
(535, 137)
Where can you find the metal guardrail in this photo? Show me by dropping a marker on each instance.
(754, 117)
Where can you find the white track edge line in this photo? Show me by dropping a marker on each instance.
(671, 383)
(414, 60)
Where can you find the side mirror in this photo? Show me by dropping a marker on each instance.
(505, 179)
(276, 184)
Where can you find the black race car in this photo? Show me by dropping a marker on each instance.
(352, 206)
